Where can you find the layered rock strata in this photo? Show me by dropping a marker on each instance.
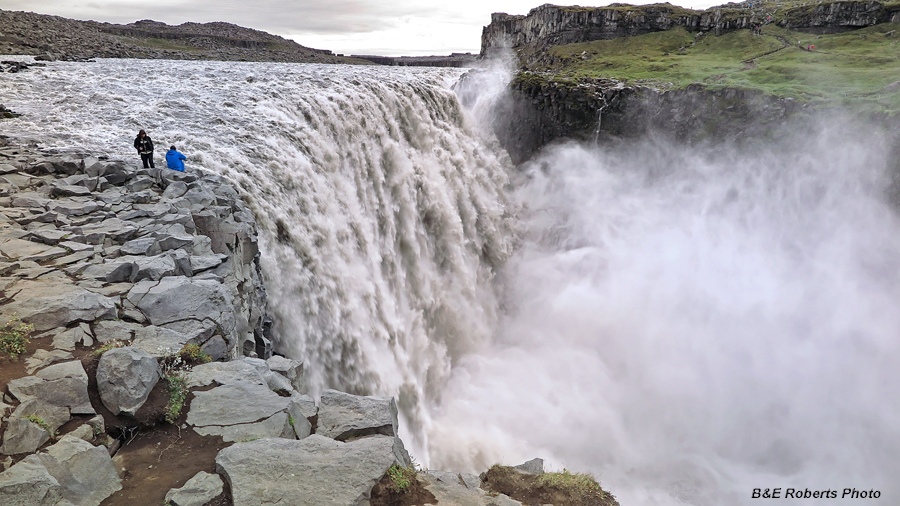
(550, 25)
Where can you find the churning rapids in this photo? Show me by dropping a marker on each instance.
(688, 324)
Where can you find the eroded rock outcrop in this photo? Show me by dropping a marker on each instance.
(550, 25)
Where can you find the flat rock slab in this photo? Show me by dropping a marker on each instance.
(125, 377)
(42, 358)
(23, 436)
(199, 490)
(316, 471)
(53, 416)
(276, 425)
(160, 342)
(63, 385)
(20, 248)
(115, 330)
(235, 404)
(178, 298)
(224, 373)
(71, 472)
(54, 304)
(344, 416)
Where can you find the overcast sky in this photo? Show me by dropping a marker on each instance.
(391, 27)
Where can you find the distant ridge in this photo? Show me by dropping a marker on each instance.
(58, 38)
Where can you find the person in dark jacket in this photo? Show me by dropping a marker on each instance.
(144, 146)
(174, 159)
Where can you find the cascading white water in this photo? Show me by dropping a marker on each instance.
(689, 324)
(382, 215)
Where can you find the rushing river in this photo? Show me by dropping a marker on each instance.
(687, 324)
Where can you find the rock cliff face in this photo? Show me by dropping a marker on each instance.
(172, 253)
(57, 38)
(550, 25)
(541, 110)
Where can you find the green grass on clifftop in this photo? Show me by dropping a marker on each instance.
(852, 66)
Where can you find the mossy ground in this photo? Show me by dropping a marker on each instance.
(571, 489)
(852, 67)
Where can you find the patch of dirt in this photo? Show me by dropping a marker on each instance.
(416, 495)
(155, 456)
(530, 489)
(14, 369)
(153, 461)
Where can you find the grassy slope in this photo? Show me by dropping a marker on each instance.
(852, 66)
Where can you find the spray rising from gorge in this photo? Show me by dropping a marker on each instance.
(687, 323)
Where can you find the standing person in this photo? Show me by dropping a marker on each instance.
(144, 146)
(174, 159)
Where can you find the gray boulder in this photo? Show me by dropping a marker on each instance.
(449, 489)
(28, 483)
(199, 490)
(54, 304)
(125, 377)
(175, 190)
(115, 330)
(298, 419)
(142, 246)
(204, 262)
(23, 436)
(216, 348)
(344, 416)
(151, 267)
(160, 342)
(53, 416)
(290, 369)
(306, 405)
(322, 471)
(533, 466)
(42, 358)
(112, 271)
(177, 298)
(63, 385)
(67, 339)
(71, 472)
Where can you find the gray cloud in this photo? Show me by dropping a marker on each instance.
(276, 16)
(411, 27)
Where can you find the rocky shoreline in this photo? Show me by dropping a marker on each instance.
(148, 377)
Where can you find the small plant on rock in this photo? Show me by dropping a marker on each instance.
(14, 336)
(174, 370)
(401, 478)
(193, 354)
(41, 423)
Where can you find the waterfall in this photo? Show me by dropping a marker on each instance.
(381, 206)
(688, 323)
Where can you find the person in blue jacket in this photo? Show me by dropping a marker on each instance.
(174, 159)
